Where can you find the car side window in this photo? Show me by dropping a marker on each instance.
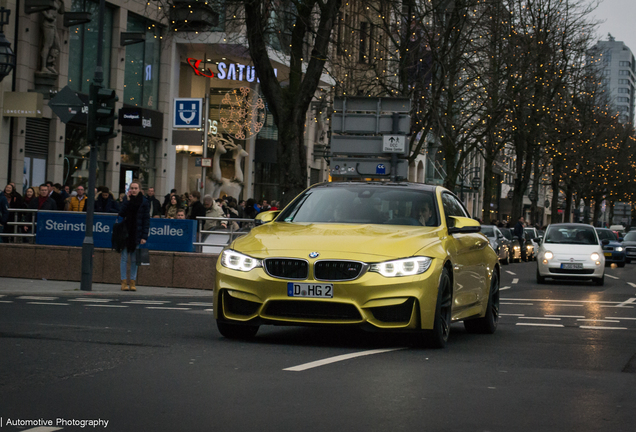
(452, 207)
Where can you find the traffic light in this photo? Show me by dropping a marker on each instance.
(101, 114)
(105, 114)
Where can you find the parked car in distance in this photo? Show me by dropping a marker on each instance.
(515, 250)
(500, 244)
(571, 251)
(629, 244)
(619, 230)
(532, 236)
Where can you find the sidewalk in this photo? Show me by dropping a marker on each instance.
(50, 287)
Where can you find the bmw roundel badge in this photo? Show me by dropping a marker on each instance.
(313, 254)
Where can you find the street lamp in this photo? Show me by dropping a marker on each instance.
(7, 56)
(475, 182)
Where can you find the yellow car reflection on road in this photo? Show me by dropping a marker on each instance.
(383, 256)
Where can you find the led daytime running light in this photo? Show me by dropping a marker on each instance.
(402, 267)
(237, 261)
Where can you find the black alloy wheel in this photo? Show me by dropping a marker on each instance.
(600, 281)
(540, 279)
(438, 336)
(488, 323)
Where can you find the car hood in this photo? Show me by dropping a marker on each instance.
(566, 251)
(337, 241)
(628, 243)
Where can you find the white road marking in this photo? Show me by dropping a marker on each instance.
(195, 304)
(166, 308)
(36, 298)
(565, 316)
(335, 359)
(568, 305)
(620, 318)
(48, 303)
(6, 301)
(208, 310)
(540, 325)
(559, 301)
(541, 318)
(603, 328)
(504, 288)
(91, 300)
(517, 315)
(146, 302)
(625, 303)
(511, 273)
(631, 284)
(599, 320)
(610, 276)
(517, 304)
(107, 305)
(615, 306)
(515, 280)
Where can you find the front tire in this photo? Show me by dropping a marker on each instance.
(438, 337)
(236, 331)
(488, 323)
(540, 279)
(600, 281)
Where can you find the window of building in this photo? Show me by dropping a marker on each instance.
(138, 157)
(83, 47)
(362, 51)
(623, 81)
(622, 99)
(624, 90)
(141, 82)
(625, 63)
(76, 158)
(623, 72)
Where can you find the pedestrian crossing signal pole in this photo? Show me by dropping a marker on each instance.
(88, 246)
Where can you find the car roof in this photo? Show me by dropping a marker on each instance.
(410, 185)
(558, 225)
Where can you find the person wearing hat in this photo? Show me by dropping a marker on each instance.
(105, 203)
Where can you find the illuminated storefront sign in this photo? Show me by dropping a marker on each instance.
(232, 71)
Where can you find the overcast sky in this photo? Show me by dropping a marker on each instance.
(620, 19)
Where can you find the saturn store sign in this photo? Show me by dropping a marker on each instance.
(226, 71)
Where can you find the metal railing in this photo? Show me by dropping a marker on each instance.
(18, 218)
(212, 241)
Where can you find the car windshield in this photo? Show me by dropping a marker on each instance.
(571, 234)
(488, 231)
(606, 235)
(630, 236)
(364, 204)
(506, 233)
(530, 233)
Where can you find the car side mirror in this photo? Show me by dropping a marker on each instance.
(463, 225)
(605, 242)
(266, 216)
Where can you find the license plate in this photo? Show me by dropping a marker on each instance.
(608, 254)
(570, 266)
(309, 290)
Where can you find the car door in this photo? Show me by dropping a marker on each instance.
(466, 250)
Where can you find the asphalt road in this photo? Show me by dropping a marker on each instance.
(562, 359)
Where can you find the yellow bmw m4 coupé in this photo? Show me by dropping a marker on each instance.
(383, 256)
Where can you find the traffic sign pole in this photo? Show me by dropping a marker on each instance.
(204, 169)
(88, 246)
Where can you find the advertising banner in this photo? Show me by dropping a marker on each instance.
(68, 229)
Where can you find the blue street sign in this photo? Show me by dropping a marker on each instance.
(187, 113)
(68, 229)
(380, 169)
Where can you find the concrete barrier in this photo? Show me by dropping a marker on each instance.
(166, 269)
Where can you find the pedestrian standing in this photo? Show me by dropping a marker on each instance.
(136, 213)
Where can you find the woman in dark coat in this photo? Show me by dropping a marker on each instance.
(15, 202)
(136, 213)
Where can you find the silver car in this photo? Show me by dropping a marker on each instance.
(500, 244)
(629, 244)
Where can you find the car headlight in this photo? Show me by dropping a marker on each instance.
(237, 261)
(402, 267)
(516, 247)
(619, 249)
(594, 256)
(548, 255)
